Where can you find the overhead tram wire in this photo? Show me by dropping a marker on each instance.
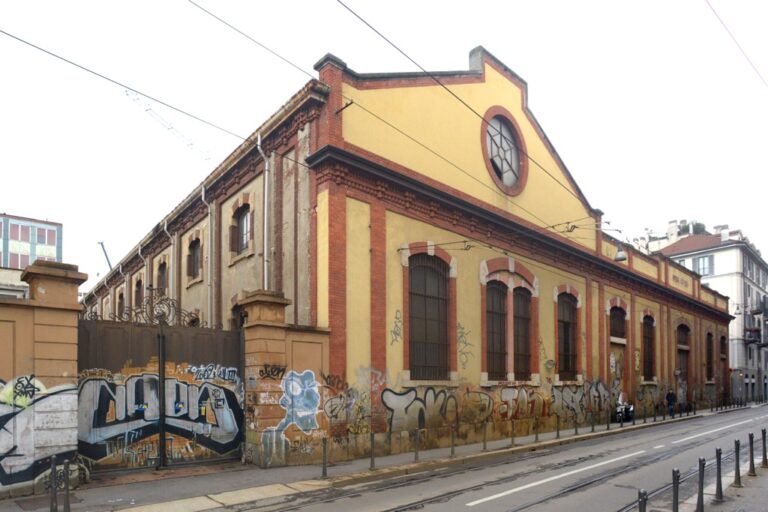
(148, 96)
(378, 117)
(441, 84)
(736, 42)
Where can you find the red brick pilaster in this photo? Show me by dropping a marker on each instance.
(378, 313)
(337, 278)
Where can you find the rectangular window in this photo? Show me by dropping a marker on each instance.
(14, 231)
(704, 265)
(23, 261)
(13, 260)
(40, 235)
(25, 233)
(648, 362)
(51, 237)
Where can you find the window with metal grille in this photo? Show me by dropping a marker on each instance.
(194, 259)
(683, 334)
(428, 317)
(710, 357)
(648, 362)
(496, 330)
(162, 278)
(618, 323)
(566, 336)
(120, 304)
(240, 232)
(522, 327)
(138, 293)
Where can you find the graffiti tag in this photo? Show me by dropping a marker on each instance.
(396, 334)
(272, 372)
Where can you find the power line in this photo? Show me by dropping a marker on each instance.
(115, 82)
(441, 84)
(733, 38)
(373, 114)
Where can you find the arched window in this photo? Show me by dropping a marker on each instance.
(618, 323)
(162, 278)
(723, 346)
(496, 330)
(522, 327)
(120, 305)
(710, 357)
(138, 293)
(683, 335)
(194, 259)
(649, 364)
(240, 232)
(428, 317)
(566, 336)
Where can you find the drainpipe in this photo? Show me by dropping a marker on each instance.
(126, 294)
(209, 271)
(265, 215)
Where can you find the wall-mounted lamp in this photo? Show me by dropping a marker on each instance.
(620, 254)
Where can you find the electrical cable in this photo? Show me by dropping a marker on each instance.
(733, 38)
(373, 114)
(469, 107)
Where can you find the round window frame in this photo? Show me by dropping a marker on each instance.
(522, 179)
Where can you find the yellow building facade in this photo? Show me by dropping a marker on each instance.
(458, 270)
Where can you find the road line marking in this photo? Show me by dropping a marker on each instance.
(658, 446)
(552, 478)
(711, 431)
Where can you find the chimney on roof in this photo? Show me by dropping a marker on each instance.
(672, 230)
(723, 231)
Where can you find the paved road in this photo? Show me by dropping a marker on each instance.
(598, 475)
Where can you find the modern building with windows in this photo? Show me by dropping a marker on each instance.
(729, 263)
(22, 241)
(448, 255)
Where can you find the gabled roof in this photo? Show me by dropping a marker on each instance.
(692, 243)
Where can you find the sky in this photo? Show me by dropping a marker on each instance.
(651, 105)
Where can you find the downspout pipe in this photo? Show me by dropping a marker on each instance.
(146, 275)
(265, 214)
(209, 270)
(125, 285)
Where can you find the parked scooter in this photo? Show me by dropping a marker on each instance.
(624, 410)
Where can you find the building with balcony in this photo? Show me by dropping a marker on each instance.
(22, 241)
(450, 256)
(729, 263)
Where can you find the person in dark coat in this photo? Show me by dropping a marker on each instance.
(671, 401)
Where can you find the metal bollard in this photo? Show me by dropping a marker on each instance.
(592, 419)
(633, 418)
(765, 455)
(607, 420)
(737, 476)
(645, 414)
(66, 486)
(485, 436)
(642, 500)
(675, 490)
(536, 428)
(700, 493)
(512, 435)
(453, 441)
(751, 471)
(719, 478)
(325, 458)
(663, 413)
(54, 486)
(575, 424)
(416, 445)
(621, 420)
(557, 422)
(694, 408)
(373, 450)
(654, 412)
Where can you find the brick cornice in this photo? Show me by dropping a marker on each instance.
(438, 207)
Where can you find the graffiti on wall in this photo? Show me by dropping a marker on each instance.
(301, 401)
(463, 345)
(396, 334)
(409, 411)
(26, 406)
(118, 416)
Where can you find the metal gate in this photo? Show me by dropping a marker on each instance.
(123, 419)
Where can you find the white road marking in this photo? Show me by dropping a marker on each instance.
(550, 479)
(711, 431)
(658, 446)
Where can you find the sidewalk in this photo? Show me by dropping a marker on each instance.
(204, 487)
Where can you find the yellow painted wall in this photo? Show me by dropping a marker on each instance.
(358, 275)
(194, 292)
(645, 267)
(680, 280)
(437, 120)
(322, 258)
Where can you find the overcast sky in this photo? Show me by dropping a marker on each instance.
(651, 105)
